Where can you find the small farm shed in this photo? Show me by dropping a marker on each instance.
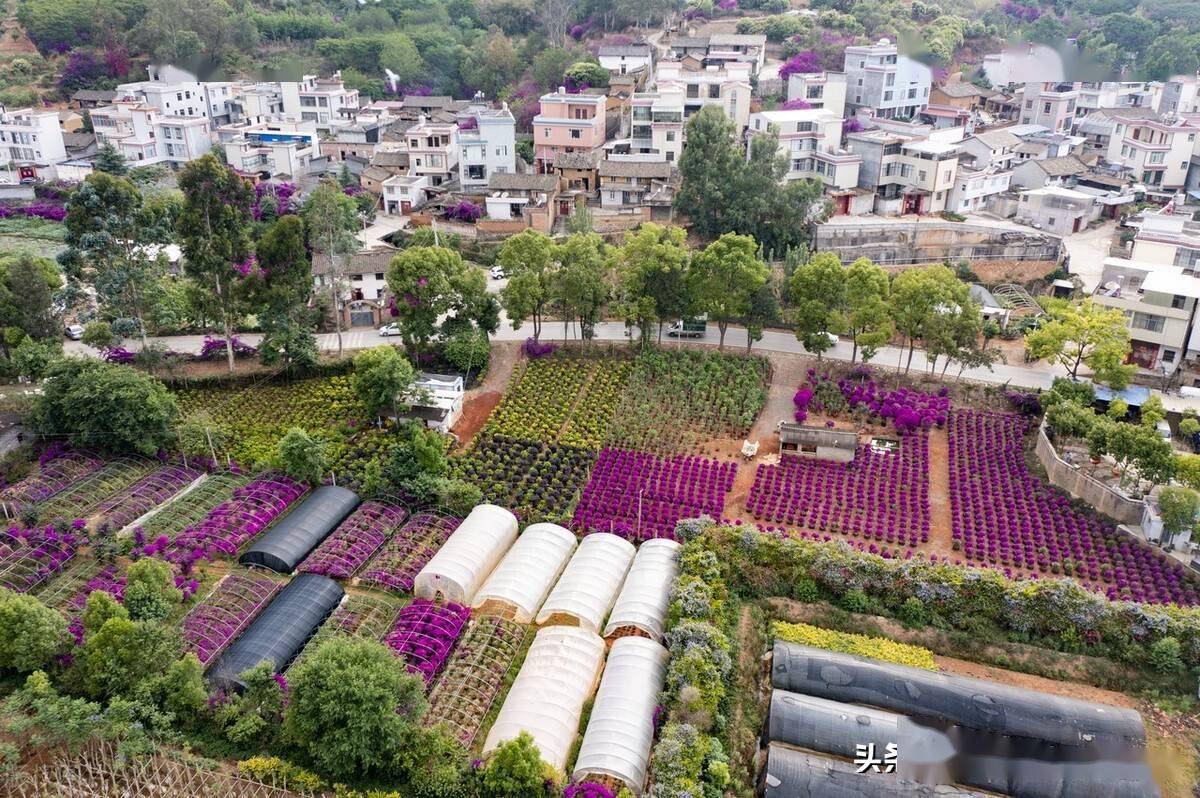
(436, 400)
(620, 730)
(642, 602)
(466, 560)
(280, 632)
(798, 440)
(283, 547)
(523, 579)
(590, 583)
(547, 697)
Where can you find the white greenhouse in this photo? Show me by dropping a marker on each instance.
(642, 603)
(588, 587)
(522, 580)
(466, 559)
(547, 697)
(620, 731)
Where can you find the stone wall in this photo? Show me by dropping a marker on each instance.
(1063, 475)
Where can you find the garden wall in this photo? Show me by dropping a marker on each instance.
(1065, 476)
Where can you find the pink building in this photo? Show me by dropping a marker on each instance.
(567, 123)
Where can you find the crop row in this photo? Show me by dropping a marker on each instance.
(538, 481)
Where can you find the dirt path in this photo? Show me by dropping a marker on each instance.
(1027, 681)
(940, 537)
(479, 402)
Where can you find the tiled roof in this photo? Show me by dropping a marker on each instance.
(509, 181)
(371, 261)
(651, 169)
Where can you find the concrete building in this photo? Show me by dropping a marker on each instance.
(890, 85)
(1051, 105)
(656, 124)
(145, 136)
(720, 50)
(1095, 96)
(1160, 303)
(1180, 95)
(433, 150)
(909, 176)
(626, 183)
(256, 102)
(169, 99)
(811, 141)
(898, 242)
(728, 88)
(487, 140)
(1057, 210)
(270, 148)
(820, 90)
(974, 188)
(994, 148)
(1168, 238)
(567, 123)
(30, 138)
(519, 201)
(403, 194)
(621, 59)
(319, 100)
(1049, 172)
(1156, 152)
(961, 95)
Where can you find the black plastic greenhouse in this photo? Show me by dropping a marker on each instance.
(281, 631)
(972, 703)
(283, 547)
(790, 773)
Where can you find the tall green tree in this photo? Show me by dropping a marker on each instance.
(1178, 508)
(1086, 334)
(953, 333)
(27, 284)
(301, 456)
(818, 291)
(709, 169)
(724, 277)
(382, 378)
(918, 296)
(651, 269)
(281, 289)
(332, 218)
(352, 706)
(214, 233)
(427, 282)
(31, 633)
(109, 160)
(764, 308)
(111, 241)
(530, 260)
(515, 770)
(581, 285)
(866, 317)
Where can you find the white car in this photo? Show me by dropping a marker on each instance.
(498, 273)
(389, 329)
(74, 331)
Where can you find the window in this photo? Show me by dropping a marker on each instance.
(379, 275)
(1045, 108)
(714, 91)
(887, 96)
(890, 80)
(1144, 321)
(670, 135)
(858, 99)
(1155, 157)
(912, 93)
(1028, 104)
(921, 175)
(1178, 302)
(576, 134)
(1051, 221)
(1168, 356)
(546, 133)
(860, 81)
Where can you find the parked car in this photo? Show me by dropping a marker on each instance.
(498, 273)
(388, 330)
(74, 331)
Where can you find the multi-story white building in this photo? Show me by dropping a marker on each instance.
(811, 140)
(30, 137)
(487, 140)
(433, 150)
(728, 88)
(256, 102)
(185, 98)
(1112, 94)
(908, 175)
(974, 188)
(889, 84)
(657, 124)
(621, 59)
(1180, 95)
(144, 135)
(1156, 152)
(321, 100)
(819, 89)
(1057, 210)
(403, 194)
(1169, 238)
(1160, 303)
(273, 148)
(991, 148)
(1051, 105)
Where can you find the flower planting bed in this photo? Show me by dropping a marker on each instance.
(1005, 517)
(640, 496)
(473, 677)
(367, 616)
(115, 478)
(879, 648)
(881, 497)
(58, 469)
(222, 615)
(231, 524)
(593, 414)
(908, 410)
(31, 557)
(677, 400)
(537, 406)
(537, 481)
(61, 591)
(397, 564)
(354, 541)
(191, 508)
(424, 634)
(147, 493)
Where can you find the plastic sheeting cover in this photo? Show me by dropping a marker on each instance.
(464, 562)
(620, 730)
(643, 600)
(526, 574)
(589, 585)
(548, 695)
(280, 632)
(973, 703)
(287, 543)
(790, 773)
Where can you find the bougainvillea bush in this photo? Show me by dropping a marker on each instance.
(226, 612)
(31, 557)
(146, 494)
(424, 634)
(396, 565)
(58, 469)
(354, 541)
(640, 496)
(82, 499)
(191, 508)
(1004, 516)
(537, 481)
(881, 497)
(678, 400)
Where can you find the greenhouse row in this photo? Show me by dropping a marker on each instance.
(286, 544)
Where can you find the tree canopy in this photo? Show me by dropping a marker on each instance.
(1086, 334)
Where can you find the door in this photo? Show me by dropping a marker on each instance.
(362, 318)
(1078, 224)
(564, 207)
(843, 204)
(405, 207)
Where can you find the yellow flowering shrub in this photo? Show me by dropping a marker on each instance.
(860, 645)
